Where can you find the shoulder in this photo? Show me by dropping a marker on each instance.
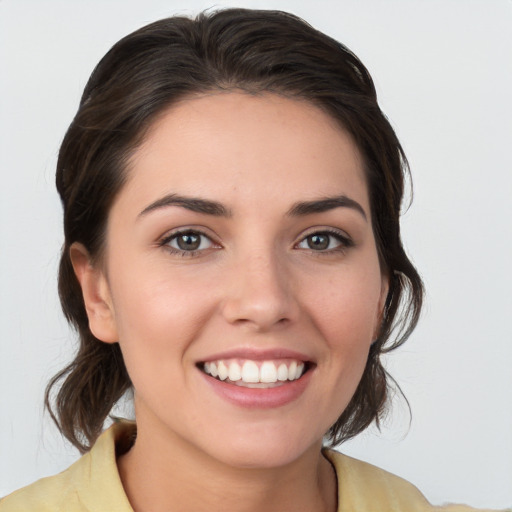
(91, 484)
(55, 493)
(363, 486)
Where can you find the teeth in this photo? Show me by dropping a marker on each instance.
(223, 370)
(292, 371)
(234, 372)
(268, 372)
(213, 370)
(282, 372)
(250, 372)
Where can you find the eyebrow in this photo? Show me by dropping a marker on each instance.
(193, 204)
(324, 205)
(217, 209)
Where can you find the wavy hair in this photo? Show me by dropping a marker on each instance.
(139, 78)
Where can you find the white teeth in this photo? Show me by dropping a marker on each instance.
(268, 372)
(282, 372)
(252, 372)
(223, 371)
(292, 371)
(213, 370)
(235, 372)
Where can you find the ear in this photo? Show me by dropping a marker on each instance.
(96, 293)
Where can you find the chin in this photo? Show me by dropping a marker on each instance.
(264, 448)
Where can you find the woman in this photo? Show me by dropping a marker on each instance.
(231, 196)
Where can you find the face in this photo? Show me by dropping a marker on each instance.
(241, 277)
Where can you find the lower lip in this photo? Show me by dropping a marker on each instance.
(259, 398)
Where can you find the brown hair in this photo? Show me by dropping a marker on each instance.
(150, 69)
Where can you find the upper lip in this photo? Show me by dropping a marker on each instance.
(256, 354)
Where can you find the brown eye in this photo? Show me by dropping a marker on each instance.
(318, 241)
(325, 241)
(188, 242)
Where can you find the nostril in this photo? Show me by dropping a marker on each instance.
(262, 311)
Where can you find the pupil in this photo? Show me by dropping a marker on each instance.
(318, 242)
(189, 242)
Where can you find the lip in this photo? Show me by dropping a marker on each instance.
(259, 398)
(258, 355)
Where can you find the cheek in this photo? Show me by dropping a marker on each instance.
(157, 316)
(347, 308)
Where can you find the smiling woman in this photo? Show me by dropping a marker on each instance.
(231, 196)
(267, 280)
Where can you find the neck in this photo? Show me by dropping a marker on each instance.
(160, 475)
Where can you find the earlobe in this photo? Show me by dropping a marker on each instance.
(96, 294)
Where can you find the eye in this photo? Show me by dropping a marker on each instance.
(325, 241)
(188, 241)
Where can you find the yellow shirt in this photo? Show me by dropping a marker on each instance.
(92, 484)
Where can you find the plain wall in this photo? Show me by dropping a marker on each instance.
(443, 70)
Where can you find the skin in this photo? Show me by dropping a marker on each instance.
(255, 283)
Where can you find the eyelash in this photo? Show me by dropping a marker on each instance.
(182, 252)
(344, 242)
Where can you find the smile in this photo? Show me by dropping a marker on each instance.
(255, 374)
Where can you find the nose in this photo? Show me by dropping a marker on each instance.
(260, 294)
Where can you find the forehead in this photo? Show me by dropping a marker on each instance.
(234, 145)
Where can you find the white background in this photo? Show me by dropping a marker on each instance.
(443, 70)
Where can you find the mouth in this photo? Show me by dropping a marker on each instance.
(262, 374)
